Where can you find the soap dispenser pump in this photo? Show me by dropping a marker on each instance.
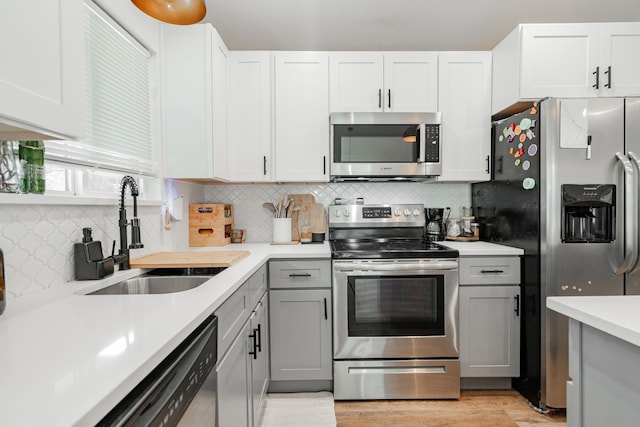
(90, 263)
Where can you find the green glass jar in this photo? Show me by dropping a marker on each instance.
(31, 154)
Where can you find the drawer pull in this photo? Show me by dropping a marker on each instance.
(491, 271)
(300, 275)
(517, 309)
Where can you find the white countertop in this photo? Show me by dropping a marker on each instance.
(482, 248)
(70, 358)
(616, 315)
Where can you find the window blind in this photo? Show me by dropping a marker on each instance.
(117, 102)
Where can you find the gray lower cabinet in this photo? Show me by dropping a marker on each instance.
(300, 318)
(243, 348)
(489, 317)
(233, 384)
(259, 357)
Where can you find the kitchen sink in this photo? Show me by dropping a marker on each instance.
(160, 281)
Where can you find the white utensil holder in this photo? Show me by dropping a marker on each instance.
(281, 230)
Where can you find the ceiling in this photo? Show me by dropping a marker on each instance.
(395, 24)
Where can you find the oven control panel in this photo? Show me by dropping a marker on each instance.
(392, 215)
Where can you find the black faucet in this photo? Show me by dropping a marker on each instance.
(122, 259)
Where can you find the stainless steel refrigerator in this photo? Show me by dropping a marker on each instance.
(564, 188)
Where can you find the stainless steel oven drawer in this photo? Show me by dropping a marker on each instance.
(296, 274)
(489, 270)
(396, 379)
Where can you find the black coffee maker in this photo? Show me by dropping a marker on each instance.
(436, 220)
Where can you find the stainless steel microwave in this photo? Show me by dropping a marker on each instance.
(385, 146)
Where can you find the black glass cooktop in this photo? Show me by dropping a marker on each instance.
(388, 249)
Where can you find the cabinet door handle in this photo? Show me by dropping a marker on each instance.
(254, 353)
(380, 98)
(259, 331)
(324, 165)
(500, 165)
(608, 73)
(517, 309)
(299, 274)
(326, 316)
(597, 74)
(264, 164)
(491, 271)
(488, 165)
(389, 98)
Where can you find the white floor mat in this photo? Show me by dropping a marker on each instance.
(298, 410)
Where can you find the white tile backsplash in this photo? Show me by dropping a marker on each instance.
(37, 240)
(247, 199)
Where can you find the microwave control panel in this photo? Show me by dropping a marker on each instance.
(432, 143)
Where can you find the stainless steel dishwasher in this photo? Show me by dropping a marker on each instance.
(181, 391)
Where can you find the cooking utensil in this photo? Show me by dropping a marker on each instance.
(270, 207)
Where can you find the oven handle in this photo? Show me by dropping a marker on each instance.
(395, 267)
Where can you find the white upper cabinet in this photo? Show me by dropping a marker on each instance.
(620, 59)
(249, 130)
(195, 61)
(389, 81)
(43, 71)
(301, 116)
(566, 60)
(464, 88)
(356, 81)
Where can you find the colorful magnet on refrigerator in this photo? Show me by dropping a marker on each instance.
(511, 150)
(526, 165)
(501, 138)
(523, 137)
(518, 130)
(505, 132)
(520, 146)
(534, 110)
(525, 123)
(530, 134)
(532, 150)
(517, 162)
(528, 183)
(533, 124)
(511, 138)
(512, 126)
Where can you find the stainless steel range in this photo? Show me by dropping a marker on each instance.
(395, 299)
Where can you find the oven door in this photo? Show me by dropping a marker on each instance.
(395, 308)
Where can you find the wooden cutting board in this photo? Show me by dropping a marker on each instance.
(298, 200)
(315, 214)
(189, 259)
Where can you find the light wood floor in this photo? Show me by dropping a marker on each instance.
(476, 408)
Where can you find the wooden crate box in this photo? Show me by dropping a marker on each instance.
(210, 224)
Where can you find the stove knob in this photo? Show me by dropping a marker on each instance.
(346, 213)
(397, 212)
(337, 213)
(407, 212)
(416, 212)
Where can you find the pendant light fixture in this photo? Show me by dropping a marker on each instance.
(181, 12)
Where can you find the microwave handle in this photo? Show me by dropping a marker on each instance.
(422, 148)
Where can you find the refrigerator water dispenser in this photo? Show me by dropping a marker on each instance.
(588, 213)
